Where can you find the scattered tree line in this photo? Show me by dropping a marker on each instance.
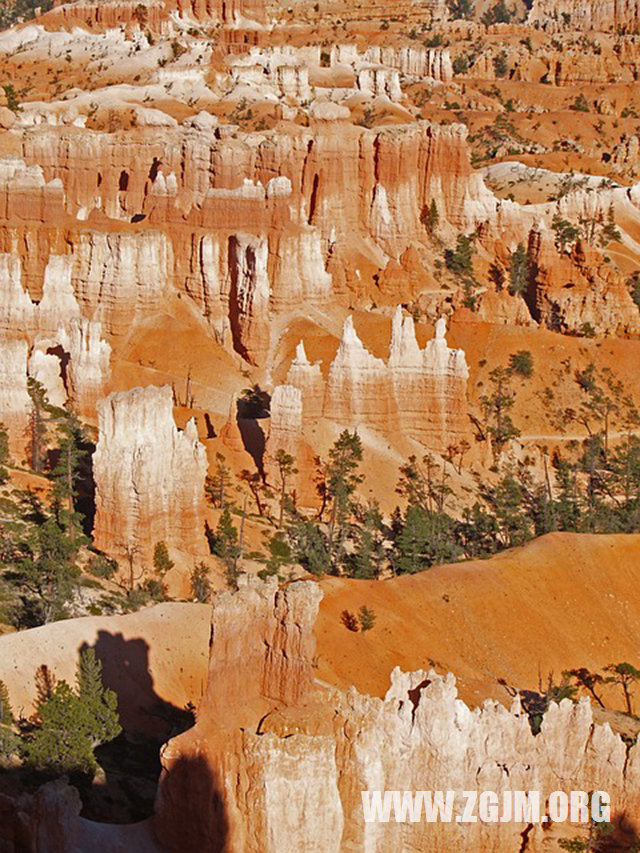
(593, 486)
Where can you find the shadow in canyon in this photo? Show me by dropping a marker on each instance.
(192, 813)
(125, 791)
(624, 836)
(251, 408)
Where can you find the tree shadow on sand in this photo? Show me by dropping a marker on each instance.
(126, 789)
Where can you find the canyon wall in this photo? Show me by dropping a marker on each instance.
(149, 479)
(621, 16)
(248, 225)
(419, 393)
(276, 762)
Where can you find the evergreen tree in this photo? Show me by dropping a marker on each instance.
(507, 499)
(70, 724)
(70, 455)
(625, 675)
(4, 454)
(37, 424)
(200, 583)
(460, 259)
(496, 407)
(478, 532)
(279, 555)
(60, 744)
(225, 545)
(286, 469)
(368, 557)
(256, 485)
(9, 741)
(217, 485)
(310, 546)
(6, 714)
(519, 271)
(431, 218)
(521, 363)
(100, 703)
(45, 571)
(426, 539)
(162, 562)
(342, 480)
(412, 544)
(367, 618)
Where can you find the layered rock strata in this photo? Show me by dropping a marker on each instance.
(274, 764)
(421, 393)
(15, 403)
(149, 479)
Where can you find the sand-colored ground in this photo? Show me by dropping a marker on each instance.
(563, 601)
(151, 658)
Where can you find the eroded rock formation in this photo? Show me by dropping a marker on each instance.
(15, 403)
(578, 290)
(149, 479)
(277, 763)
(421, 393)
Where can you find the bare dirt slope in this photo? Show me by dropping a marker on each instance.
(562, 601)
(154, 659)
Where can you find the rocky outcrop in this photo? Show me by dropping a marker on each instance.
(308, 379)
(620, 16)
(88, 367)
(421, 393)
(149, 479)
(155, 16)
(578, 291)
(15, 403)
(249, 296)
(421, 62)
(376, 81)
(285, 427)
(46, 368)
(272, 72)
(422, 11)
(275, 763)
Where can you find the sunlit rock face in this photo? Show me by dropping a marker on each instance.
(276, 762)
(421, 392)
(149, 479)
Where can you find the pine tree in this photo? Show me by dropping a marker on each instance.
(518, 271)
(369, 556)
(60, 743)
(4, 454)
(70, 724)
(431, 218)
(225, 545)
(367, 618)
(100, 702)
(496, 407)
(162, 562)
(412, 542)
(9, 741)
(310, 546)
(6, 714)
(286, 469)
(342, 480)
(218, 484)
(200, 583)
(46, 571)
(70, 455)
(37, 424)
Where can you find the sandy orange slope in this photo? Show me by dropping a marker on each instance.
(563, 601)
